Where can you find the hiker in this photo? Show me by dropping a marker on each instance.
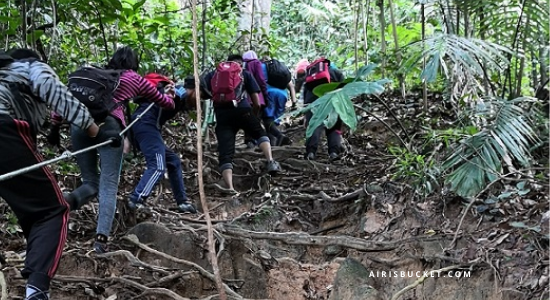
(158, 156)
(28, 87)
(254, 67)
(300, 75)
(279, 79)
(228, 85)
(104, 184)
(319, 72)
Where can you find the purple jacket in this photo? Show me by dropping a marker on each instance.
(254, 66)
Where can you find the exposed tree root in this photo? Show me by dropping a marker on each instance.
(421, 280)
(134, 240)
(307, 239)
(165, 293)
(3, 287)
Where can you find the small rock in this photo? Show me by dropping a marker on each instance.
(333, 250)
(374, 188)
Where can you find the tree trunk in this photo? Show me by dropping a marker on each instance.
(382, 20)
(254, 23)
(397, 49)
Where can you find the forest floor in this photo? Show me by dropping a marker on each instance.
(338, 230)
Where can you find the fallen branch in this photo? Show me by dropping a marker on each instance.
(134, 240)
(307, 239)
(145, 290)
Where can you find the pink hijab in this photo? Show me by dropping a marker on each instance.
(301, 65)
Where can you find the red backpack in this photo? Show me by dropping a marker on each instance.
(318, 72)
(227, 84)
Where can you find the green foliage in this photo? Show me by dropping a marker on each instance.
(478, 159)
(335, 102)
(418, 170)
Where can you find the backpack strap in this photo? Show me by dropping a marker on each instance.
(22, 105)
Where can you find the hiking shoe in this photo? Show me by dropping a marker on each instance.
(250, 145)
(333, 156)
(273, 167)
(310, 156)
(187, 206)
(100, 244)
(284, 141)
(37, 294)
(225, 190)
(135, 205)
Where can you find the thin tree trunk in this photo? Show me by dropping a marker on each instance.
(356, 15)
(424, 83)
(24, 22)
(519, 73)
(534, 75)
(365, 18)
(400, 76)
(543, 55)
(382, 20)
(203, 34)
(206, 211)
(466, 23)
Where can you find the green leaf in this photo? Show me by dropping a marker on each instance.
(322, 89)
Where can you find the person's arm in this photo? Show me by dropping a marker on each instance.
(252, 88)
(147, 90)
(47, 86)
(291, 89)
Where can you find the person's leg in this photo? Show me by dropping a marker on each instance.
(152, 146)
(110, 164)
(38, 204)
(87, 162)
(312, 143)
(175, 175)
(225, 134)
(334, 138)
(279, 111)
(251, 124)
(273, 131)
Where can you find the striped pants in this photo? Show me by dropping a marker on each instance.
(36, 200)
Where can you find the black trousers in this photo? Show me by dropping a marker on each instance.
(228, 122)
(36, 200)
(334, 137)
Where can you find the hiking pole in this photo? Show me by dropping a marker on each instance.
(69, 154)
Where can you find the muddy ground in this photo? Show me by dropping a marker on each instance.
(321, 230)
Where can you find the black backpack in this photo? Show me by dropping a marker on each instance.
(278, 75)
(95, 88)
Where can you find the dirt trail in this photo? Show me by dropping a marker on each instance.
(320, 230)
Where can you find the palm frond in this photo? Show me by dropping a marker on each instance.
(478, 159)
(466, 53)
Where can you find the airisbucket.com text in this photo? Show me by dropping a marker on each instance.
(418, 274)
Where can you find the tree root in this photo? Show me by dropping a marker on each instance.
(421, 280)
(164, 293)
(134, 240)
(3, 287)
(309, 240)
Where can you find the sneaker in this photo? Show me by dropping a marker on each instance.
(285, 140)
(100, 244)
(225, 190)
(273, 167)
(310, 156)
(187, 206)
(135, 205)
(36, 293)
(333, 156)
